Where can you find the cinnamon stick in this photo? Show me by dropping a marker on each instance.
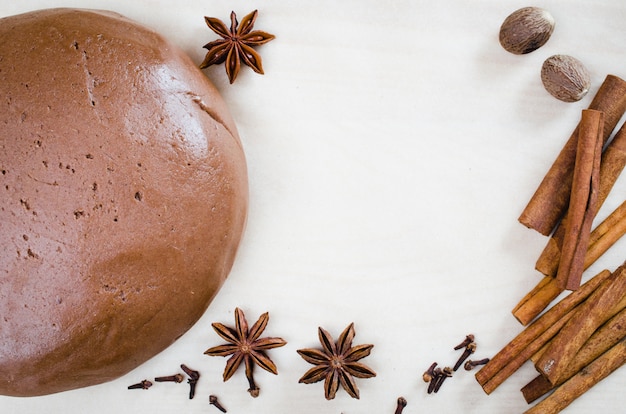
(606, 234)
(583, 199)
(598, 335)
(549, 202)
(602, 340)
(585, 379)
(537, 300)
(609, 231)
(600, 306)
(516, 361)
(531, 333)
(611, 166)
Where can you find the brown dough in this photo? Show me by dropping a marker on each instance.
(123, 197)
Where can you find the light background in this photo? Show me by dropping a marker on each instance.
(391, 146)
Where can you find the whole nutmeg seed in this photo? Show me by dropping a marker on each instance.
(565, 78)
(526, 30)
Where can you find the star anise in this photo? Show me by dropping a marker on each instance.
(337, 363)
(245, 345)
(236, 45)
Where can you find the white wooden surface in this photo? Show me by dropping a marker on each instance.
(391, 147)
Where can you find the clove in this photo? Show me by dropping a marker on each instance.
(468, 340)
(193, 379)
(429, 373)
(143, 385)
(435, 378)
(469, 364)
(214, 401)
(171, 378)
(445, 373)
(400, 405)
(469, 350)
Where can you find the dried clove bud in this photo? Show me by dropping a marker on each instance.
(428, 375)
(401, 403)
(437, 373)
(445, 373)
(171, 378)
(469, 350)
(193, 379)
(468, 340)
(143, 385)
(214, 401)
(526, 30)
(469, 364)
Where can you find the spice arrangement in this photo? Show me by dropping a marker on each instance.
(546, 212)
(575, 344)
(192, 379)
(526, 30)
(435, 376)
(579, 340)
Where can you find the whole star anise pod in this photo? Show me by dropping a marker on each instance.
(245, 345)
(236, 45)
(336, 363)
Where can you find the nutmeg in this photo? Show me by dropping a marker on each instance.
(526, 30)
(565, 78)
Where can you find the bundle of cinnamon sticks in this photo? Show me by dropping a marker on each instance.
(582, 338)
(567, 200)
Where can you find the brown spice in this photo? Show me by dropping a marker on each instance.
(565, 78)
(468, 340)
(469, 350)
(608, 300)
(337, 363)
(537, 300)
(178, 378)
(470, 365)
(245, 345)
(236, 45)
(513, 355)
(601, 341)
(525, 30)
(143, 385)
(583, 200)
(429, 373)
(612, 164)
(213, 400)
(194, 376)
(611, 229)
(549, 202)
(582, 381)
(400, 404)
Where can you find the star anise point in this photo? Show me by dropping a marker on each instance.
(337, 363)
(245, 345)
(236, 44)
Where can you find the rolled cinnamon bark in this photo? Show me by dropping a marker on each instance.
(601, 341)
(606, 301)
(609, 231)
(582, 381)
(557, 314)
(611, 166)
(549, 202)
(583, 203)
(537, 300)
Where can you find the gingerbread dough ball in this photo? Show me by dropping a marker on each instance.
(123, 197)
